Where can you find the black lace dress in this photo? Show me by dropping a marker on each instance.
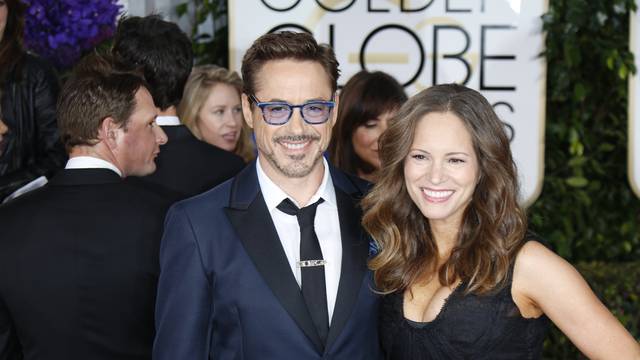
(467, 327)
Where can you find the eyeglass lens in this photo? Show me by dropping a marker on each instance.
(314, 113)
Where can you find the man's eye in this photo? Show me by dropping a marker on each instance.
(278, 108)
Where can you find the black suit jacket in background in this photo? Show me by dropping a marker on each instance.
(79, 269)
(190, 166)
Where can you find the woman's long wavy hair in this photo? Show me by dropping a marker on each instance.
(493, 226)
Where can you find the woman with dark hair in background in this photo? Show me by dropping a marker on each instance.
(463, 278)
(367, 102)
(28, 94)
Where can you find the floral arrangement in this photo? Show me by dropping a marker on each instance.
(61, 31)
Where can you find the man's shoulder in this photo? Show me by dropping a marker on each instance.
(49, 199)
(213, 153)
(189, 156)
(25, 204)
(180, 138)
(215, 198)
(349, 183)
(151, 191)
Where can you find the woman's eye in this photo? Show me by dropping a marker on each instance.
(369, 124)
(418, 156)
(456, 161)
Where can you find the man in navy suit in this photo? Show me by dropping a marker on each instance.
(235, 282)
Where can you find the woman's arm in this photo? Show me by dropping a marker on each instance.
(543, 281)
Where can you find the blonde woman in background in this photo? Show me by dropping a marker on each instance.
(211, 109)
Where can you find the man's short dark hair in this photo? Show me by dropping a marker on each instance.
(287, 45)
(161, 50)
(96, 90)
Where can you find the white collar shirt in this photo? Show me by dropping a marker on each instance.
(167, 120)
(90, 162)
(327, 227)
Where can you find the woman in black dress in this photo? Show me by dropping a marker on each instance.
(463, 278)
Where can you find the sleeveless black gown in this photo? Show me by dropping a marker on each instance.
(467, 327)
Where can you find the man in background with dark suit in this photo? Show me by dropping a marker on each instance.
(245, 273)
(79, 257)
(163, 52)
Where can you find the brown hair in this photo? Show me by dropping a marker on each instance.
(94, 92)
(366, 96)
(287, 45)
(493, 225)
(201, 81)
(11, 46)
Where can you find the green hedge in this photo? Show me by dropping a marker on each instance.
(618, 286)
(207, 49)
(587, 209)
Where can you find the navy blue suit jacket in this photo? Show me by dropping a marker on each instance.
(226, 290)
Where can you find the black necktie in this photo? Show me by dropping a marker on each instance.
(311, 265)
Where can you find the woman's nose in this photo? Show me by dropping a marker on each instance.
(437, 174)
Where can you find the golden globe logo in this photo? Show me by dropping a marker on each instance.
(492, 46)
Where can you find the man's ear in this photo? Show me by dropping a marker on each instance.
(108, 132)
(246, 110)
(334, 112)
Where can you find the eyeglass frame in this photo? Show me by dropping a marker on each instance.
(331, 103)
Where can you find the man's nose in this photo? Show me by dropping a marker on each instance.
(161, 136)
(296, 123)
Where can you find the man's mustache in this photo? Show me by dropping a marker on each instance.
(296, 138)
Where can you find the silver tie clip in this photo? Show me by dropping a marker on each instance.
(311, 263)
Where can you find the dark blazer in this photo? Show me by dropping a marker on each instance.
(226, 290)
(79, 268)
(190, 166)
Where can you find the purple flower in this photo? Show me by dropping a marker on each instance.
(63, 30)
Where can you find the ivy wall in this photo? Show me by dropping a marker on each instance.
(587, 209)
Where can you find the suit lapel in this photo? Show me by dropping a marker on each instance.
(355, 249)
(251, 220)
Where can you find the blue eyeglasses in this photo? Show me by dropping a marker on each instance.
(279, 112)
